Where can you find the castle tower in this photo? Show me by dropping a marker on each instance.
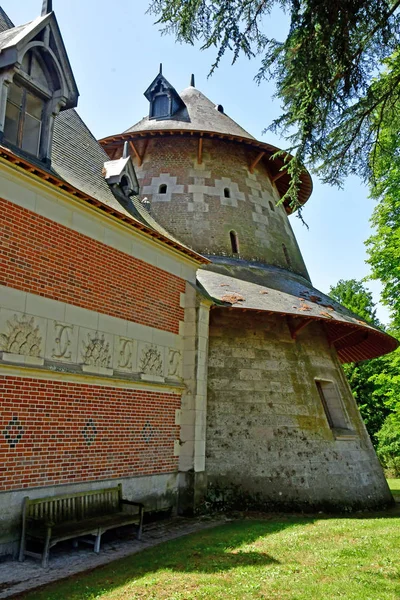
(282, 428)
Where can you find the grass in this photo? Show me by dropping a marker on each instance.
(394, 485)
(296, 558)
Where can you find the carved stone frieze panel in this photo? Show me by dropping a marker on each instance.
(21, 338)
(125, 353)
(95, 351)
(174, 363)
(151, 362)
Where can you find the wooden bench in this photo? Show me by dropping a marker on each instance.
(57, 518)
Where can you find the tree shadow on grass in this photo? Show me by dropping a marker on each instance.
(210, 551)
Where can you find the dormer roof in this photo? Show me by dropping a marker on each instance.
(44, 34)
(164, 100)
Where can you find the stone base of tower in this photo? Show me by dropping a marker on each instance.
(270, 440)
(192, 492)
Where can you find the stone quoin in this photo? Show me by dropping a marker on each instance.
(158, 326)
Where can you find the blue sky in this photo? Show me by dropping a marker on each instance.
(115, 50)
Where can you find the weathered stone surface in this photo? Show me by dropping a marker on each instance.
(268, 439)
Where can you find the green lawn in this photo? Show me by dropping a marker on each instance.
(278, 558)
(394, 485)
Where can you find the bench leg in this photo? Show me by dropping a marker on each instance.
(97, 542)
(21, 556)
(140, 527)
(46, 549)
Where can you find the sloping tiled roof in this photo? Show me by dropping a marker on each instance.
(7, 36)
(5, 21)
(267, 289)
(200, 114)
(79, 159)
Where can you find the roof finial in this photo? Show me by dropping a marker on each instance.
(47, 7)
(160, 69)
(125, 153)
(192, 81)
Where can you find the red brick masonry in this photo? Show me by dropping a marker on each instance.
(40, 256)
(57, 432)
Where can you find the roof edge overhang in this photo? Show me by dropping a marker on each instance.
(352, 342)
(280, 178)
(60, 184)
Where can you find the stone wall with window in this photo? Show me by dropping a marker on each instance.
(269, 440)
(201, 204)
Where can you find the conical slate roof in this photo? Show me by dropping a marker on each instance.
(199, 114)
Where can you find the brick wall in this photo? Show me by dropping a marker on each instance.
(57, 432)
(40, 256)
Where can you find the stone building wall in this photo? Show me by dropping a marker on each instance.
(268, 438)
(196, 210)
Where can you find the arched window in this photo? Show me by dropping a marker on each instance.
(162, 189)
(287, 257)
(271, 205)
(27, 108)
(126, 186)
(234, 242)
(227, 193)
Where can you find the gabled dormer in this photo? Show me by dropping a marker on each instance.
(164, 99)
(121, 176)
(36, 83)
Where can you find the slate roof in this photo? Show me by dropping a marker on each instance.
(5, 21)
(202, 116)
(199, 114)
(242, 285)
(79, 159)
(8, 36)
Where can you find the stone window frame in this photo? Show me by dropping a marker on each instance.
(334, 409)
(47, 82)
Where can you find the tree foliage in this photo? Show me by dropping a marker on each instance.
(388, 448)
(384, 246)
(328, 71)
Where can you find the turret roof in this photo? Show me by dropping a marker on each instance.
(199, 114)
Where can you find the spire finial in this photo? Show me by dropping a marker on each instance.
(125, 153)
(192, 81)
(47, 7)
(160, 69)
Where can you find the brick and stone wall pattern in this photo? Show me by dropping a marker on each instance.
(55, 432)
(266, 427)
(196, 210)
(40, 256)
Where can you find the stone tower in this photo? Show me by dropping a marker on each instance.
(282, 428)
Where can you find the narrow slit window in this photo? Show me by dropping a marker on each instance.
(287, 257)
(332, 404)
(271, 205)
(234, 242)
(162, 189)
(227, 193)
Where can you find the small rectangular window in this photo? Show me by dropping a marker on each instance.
(332, 404)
